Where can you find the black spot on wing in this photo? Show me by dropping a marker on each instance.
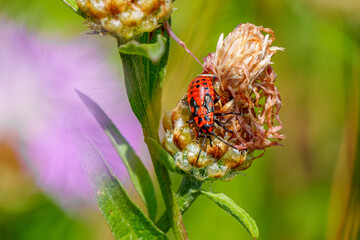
(194, 105)
(208, 103)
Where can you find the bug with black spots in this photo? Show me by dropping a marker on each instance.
(201, 100)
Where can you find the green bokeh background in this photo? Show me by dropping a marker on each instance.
(307, 189)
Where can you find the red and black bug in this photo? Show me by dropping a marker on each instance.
(201, 95)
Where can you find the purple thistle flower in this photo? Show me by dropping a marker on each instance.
(38, 103)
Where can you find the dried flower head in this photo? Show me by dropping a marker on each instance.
(125, 18)
(245, 84)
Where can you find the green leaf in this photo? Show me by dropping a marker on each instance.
(185, 196)
(72, 4)
(153, 51)
(158, 152)
(143, 80)
(237, 212)
(137, 171)
(125, 219)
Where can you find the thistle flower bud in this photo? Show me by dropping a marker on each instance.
(125, 18)
(244, 80)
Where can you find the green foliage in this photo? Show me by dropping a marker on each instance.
(137, 171)
(237, 212)
(125, 219)
(41, 219)
(144, 78)
(72, 4)
(185, 196)
(158, 152)
(153, 51)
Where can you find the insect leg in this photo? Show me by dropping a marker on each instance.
(190, 121)
(201, 149)
(217, 97)
(210, 140)
(223, 114)
(222, 125)
(224, 141)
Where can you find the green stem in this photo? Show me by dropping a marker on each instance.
(143, 81)
(185, 196)
(136, 72)
(173, 212)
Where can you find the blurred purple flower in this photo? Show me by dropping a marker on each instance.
(38, 102)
